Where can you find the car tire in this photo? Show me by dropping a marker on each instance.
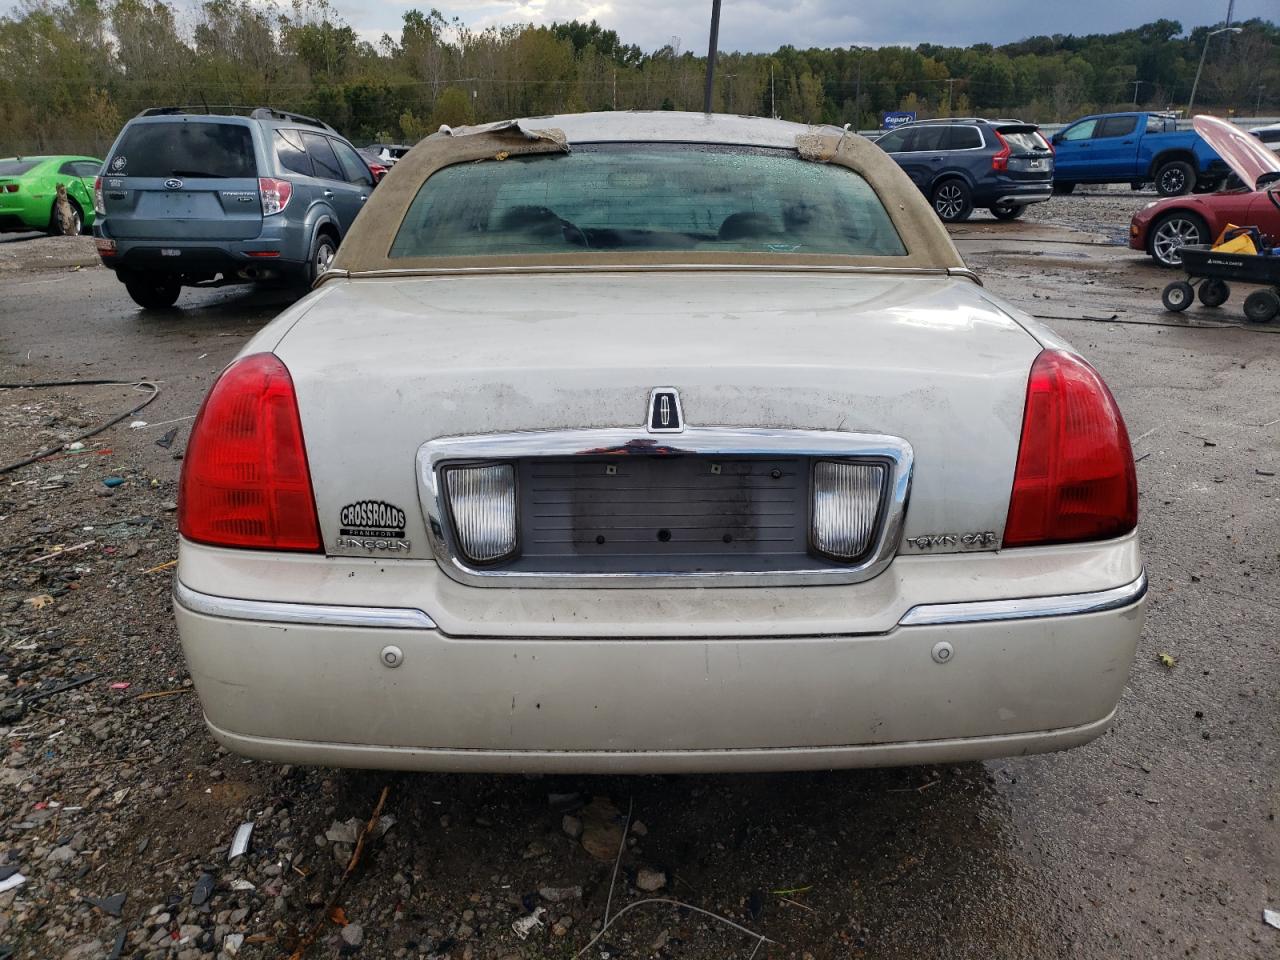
(1063, 188)
(153, 293)
(952, 201)
(55, 228)
(1008, 211)
(1175, 178)
(1261, 306)
(1173, 231)
(1214, 293)
(1177, 296)
(323, 249)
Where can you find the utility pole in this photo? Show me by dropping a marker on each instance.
(1136, 84)
(1203, 53)
(1257, 107)
(857, 92)
(615, 88)
(712, 43)
(950, 82)
(773, 110)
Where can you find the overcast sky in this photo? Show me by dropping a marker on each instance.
(760, 25)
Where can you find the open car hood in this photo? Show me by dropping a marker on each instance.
(1246, 155)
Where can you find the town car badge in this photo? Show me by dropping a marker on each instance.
(372, 525)
(665, 415)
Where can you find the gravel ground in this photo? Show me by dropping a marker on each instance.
(1157, 840)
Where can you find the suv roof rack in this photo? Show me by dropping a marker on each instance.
(952, 120)
(191, 108)
(233, 109)
(270, 113)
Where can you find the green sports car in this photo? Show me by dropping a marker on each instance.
(29, 185)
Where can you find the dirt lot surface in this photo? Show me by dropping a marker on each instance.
(1158, 840)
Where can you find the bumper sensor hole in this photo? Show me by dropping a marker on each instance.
(664, 535)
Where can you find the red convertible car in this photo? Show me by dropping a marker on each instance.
(1163, 227)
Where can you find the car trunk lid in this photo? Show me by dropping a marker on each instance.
(932, 361)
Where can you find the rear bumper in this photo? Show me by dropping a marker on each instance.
(1007, 192)
(273, 251)
(306, 683)
(1022, 199)
(364, 756)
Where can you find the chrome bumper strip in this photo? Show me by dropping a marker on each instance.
(1071, 604)
(407, 618)
(312, 614)
(1025, 198)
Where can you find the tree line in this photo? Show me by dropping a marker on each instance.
(73, 71)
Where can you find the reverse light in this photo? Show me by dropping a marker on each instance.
(482, 501)
(1075, 479)
(99, 204)
(245, 481)
(1000, 159)
(275, 195)
(846, 505)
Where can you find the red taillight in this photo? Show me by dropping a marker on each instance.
(245, 481)
(275, 195)
(11, 188)
(378, 170)
(1000, 160)
(99, 205)
(1075, 478)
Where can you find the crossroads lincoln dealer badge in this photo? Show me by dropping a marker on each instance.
(372, 525)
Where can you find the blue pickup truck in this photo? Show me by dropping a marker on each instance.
(1135, 148)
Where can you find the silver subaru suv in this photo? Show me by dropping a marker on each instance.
(193, 197)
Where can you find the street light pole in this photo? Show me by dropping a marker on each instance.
(857, 95)
(1203, 53)
(711, 54)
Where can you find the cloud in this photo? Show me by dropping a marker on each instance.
(761, 25)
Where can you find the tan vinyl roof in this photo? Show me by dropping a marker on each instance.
(365, 250)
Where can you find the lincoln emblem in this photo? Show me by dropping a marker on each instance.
(665, 415)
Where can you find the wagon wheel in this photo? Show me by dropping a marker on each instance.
(1177, 296)
(1261, 306)
(1214, 293)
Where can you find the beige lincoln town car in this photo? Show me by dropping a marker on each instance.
(646, 442)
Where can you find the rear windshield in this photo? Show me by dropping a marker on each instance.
(1025, 141)
(644, 198)
(16, 168)
(184, 149)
